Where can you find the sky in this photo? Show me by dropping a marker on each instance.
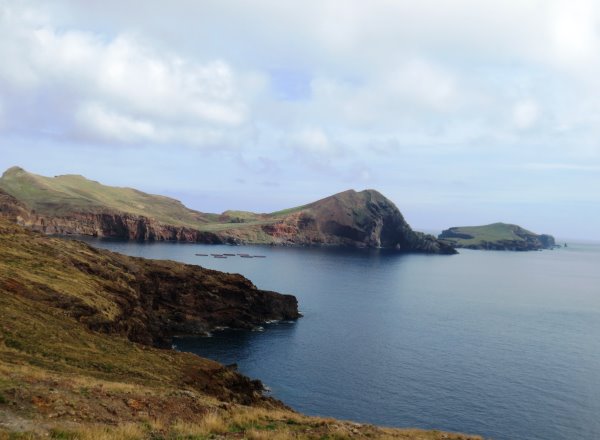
(462, 113)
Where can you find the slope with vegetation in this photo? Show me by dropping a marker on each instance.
(75, 205)
(79, 332)
(496, 236)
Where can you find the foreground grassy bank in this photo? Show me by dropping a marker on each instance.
(78, 357)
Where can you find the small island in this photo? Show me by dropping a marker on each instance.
(497, 236)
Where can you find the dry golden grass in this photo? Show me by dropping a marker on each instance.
(255, 434)
(220, 425)
(127, 431)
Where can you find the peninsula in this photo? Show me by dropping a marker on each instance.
(74, 205)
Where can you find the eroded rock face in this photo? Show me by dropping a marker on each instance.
(164, 299)
(11, 208)
(120, 226)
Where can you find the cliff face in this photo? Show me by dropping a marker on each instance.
(164, 299)
(73, 205)
(497, 236)
(116, 225)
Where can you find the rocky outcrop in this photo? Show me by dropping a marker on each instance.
(147, 301)
(11, 208)
(165, 299)
(497, 236)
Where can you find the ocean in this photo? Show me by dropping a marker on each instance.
(501, 344)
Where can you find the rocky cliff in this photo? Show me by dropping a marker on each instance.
(115, 225)
(146, 301)
(73, 205)
(497, 236)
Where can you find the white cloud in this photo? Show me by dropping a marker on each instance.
(574, 29)
(94, 118)
(423, 83)
(119, 88)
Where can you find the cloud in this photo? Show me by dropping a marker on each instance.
(311, 140)
(118, 88)
(94, 118)
(429, 74)
(574, 32)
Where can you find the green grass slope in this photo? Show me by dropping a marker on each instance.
(67, 194)
(72, 193)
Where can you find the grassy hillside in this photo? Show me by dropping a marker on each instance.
(64, 194)
(61, 380)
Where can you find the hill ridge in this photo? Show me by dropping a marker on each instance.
(72, 204)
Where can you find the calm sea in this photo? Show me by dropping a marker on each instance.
(502, 344)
